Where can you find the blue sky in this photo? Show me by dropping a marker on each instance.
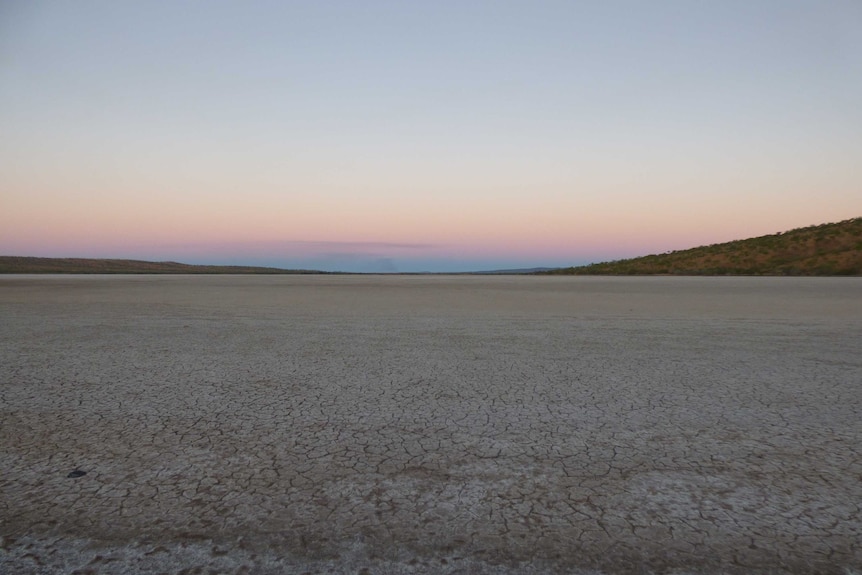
(479, 134)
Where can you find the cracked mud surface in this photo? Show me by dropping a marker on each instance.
(373, 424)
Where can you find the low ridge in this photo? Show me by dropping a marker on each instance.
(32, 265)
(824, 250)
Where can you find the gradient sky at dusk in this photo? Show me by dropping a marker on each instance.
(412, 136)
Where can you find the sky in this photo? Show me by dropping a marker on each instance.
(383, 136)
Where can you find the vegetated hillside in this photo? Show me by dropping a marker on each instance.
(824, 250)
(30, 265)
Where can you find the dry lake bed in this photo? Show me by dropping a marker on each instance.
(430, 424)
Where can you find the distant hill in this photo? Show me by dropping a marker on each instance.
(824, 250)
(29, 265)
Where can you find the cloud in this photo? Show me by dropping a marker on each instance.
(333, 248)
(362, 245)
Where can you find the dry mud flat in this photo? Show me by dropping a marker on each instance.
(374, 424)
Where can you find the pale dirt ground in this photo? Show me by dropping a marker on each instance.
(430, 424)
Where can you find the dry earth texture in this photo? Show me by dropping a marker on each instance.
(430, 424)
(824, 250)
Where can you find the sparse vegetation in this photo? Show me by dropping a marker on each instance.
(825, 250)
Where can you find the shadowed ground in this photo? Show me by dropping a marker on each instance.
(430, 424)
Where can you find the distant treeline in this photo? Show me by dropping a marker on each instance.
(29, 265)
(823, 250)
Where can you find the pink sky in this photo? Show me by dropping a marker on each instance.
(546, 135)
